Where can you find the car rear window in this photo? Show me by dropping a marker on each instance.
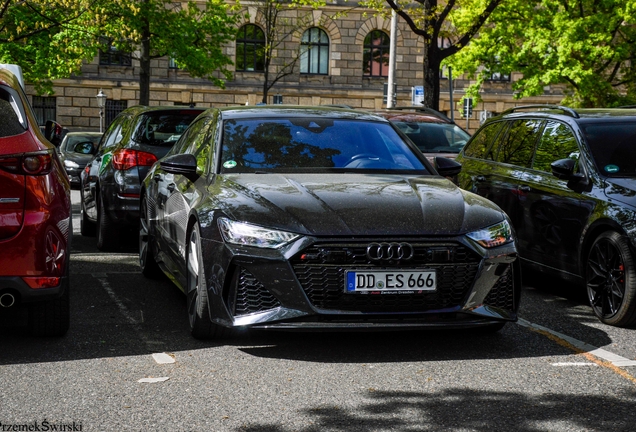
(13, 120)
(314, 144)
(434, 137)
(613, 147)
(163, 128)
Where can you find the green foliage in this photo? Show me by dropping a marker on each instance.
(191, 33)
(43, 37)
(585, 45)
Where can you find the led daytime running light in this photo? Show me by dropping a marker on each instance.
(252, 235)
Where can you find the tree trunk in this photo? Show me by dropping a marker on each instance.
(265, 82)
(144, 65)
(432, 63)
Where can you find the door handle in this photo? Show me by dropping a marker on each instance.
(524, 188)
(171, 187)
(480, 178)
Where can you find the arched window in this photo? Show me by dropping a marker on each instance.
(250, 49)
(376, 54)
(314, 52)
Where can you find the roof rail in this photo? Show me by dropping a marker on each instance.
(424, 110)
(566, 110)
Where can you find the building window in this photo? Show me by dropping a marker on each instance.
(172, 64)
(498, 76)
(376, 54)
(250, 49)
(314, 52)
(44, 108)
(111, 56)
(112, 109)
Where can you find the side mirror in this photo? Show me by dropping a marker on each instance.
(563, 169)
(53, 132)
(86, 147)
(182, 164)
(447, 167)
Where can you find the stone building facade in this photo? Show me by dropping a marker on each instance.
(342, 79)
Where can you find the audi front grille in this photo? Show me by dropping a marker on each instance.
(321, 268)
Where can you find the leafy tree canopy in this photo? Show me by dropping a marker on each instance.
(446, 26)
(44, 38)
(587, 45)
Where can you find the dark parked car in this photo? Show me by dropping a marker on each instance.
(111, 181)
(321, 218)
(431, 131)
(567, 179)
(75, 152)
(35, 216)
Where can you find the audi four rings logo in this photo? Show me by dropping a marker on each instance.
(390, 251)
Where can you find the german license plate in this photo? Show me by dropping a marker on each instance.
(389, 280)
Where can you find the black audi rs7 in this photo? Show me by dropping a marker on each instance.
(322, 218)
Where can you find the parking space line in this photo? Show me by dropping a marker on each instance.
(594, 354)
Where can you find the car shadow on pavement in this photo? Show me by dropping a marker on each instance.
(116, 311)
(458, 408)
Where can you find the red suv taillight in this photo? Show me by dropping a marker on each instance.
(39, 163)
(126, 158)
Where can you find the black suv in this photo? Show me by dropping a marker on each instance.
(567, 179)
(110, 183)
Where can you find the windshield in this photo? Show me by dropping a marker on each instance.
(434, 137)
(163, 128)
(314, 145)
(613, 147)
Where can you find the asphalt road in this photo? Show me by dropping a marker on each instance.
(558, 369)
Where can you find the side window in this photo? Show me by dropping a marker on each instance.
(113, 135)
(557, 142)
(197, 141)
(517, 146)
(480, 143)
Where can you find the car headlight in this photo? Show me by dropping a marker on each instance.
(493, 236)
(251, 235)
(70, 164)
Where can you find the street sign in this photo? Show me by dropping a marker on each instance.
(417, 95)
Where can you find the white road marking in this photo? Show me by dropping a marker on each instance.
(153, 380)
(615, 359)
(574, 364)
(163, 358)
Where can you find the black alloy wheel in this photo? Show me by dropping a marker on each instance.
(611, 280)
(201, 327)
(147, 261)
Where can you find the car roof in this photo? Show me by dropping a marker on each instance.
(141, 109)
(420, 113)
(298, 111)
(579, 115)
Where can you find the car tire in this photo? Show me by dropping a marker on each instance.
(201, 326)
(87, 227)
(611, 280)
(107, 237)
(147, 262)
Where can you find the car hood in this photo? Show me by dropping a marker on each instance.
(355, 204)
(622, 190)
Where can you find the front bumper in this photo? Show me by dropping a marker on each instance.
(261, 288)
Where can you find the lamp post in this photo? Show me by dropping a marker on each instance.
(101, 103)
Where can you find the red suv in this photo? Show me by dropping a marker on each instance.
(35, 215)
